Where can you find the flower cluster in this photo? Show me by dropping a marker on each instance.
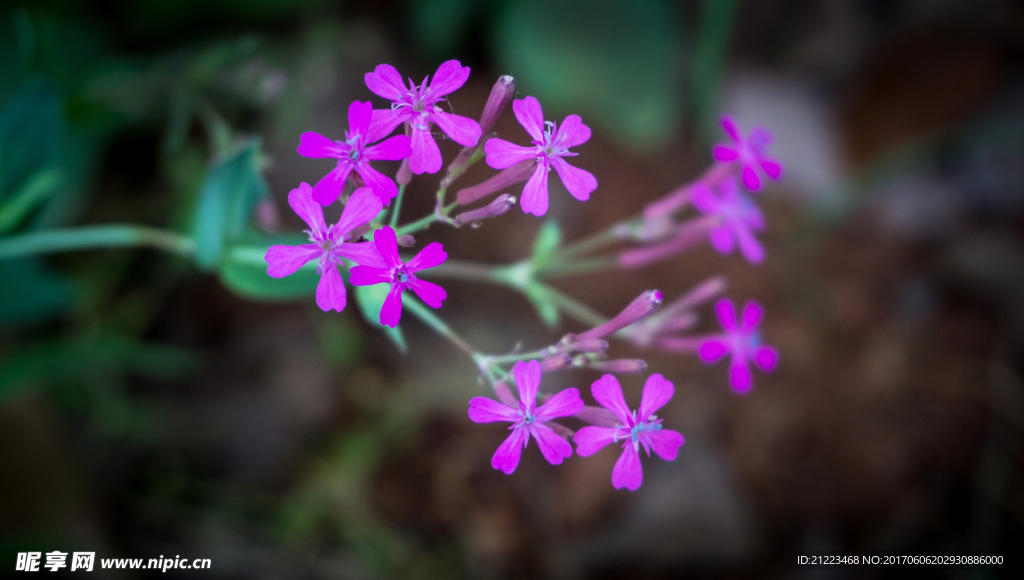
(364, 247)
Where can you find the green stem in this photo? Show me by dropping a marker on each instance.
(462, 271)
(425, 221)
(437, 325)
(511, 358)
(590, 243)
(558, 270)
(397, 207)
(92, 237)
(574, 308)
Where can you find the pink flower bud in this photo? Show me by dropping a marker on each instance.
(555, 363)
(406, 241)
(505, 395)
(621, 366)
(501, 96)
(687, 235)
(516, 174)
(597, 416)
(644, 304)
(593, 345)
(499, 206)
(404, 175)
(267, 216)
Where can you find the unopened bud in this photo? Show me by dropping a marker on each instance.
(499, 206)
(501, 96)
(621, 366)
(267, 216)
(687, 235)
(516, 174)
(595, 345)
(404, 175)
(406, 241)
(361, 231)
(555, 363)
(505, 395)
(644, 304)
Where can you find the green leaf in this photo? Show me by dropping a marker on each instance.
(244, 271)
(371, 299)
(34, 192)
(231, 189)
(548, 240)
(33, 136)
(30, 292)
(546, 309)
(618, 63)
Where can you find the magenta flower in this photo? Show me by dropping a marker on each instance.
(739, 215)
(328, 245)
(528, 419)
(417, 106)
(353, 154)
(550, 144)
(742, 341)
(636, 428)
(400, 275)
(750, 152)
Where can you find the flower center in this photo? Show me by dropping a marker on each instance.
(552, 145)
(401, 276)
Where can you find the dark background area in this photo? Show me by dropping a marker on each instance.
(149, 407)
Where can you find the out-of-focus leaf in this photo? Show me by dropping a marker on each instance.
(35, 191)
(371, 299)
(30, 292)
(709, 61)
(230, 191)
(617, 63)
(546, 309)
(548, 240)
(33, 137)
(244, 271)
(440, 25)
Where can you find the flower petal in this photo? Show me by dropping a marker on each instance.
(431, 255)
(579, 182)
(362, 206)
(713, 349)
(384, 121)
(362, 253)
(368, 276)
(383, 187)
(750, 179)
(740, 376)
(428, 292)
(666, 443)
(393, 149)
(564, 404)
(484, 410)
(506, 458)
(535, 192)
(752, 313)
(657, 392)
(729, 124)
(385, 82)
(285, 260)
(330, 292)
(462, 130)
(608, 394)
(766, 358)
(359, 115)
(704, 199)
(311, 212)
(573, 131)
(329, 188)
(391, 310)
(530, 116)
(590, 440)
(726, 314)
(502, 154)
(449, 77)
(752, 249)
(725, 153)
(552, 446)
(426, 156)
(527, 377)
(628, 473)
(316, 146)
(723, 239)
(387, 244)
(771, 167)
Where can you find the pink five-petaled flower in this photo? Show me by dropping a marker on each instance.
(528, 419)
(355, 154)
(750, 152)
(400, 275)
(328, 245)
(743, 341)
(739, 215)
(550, 144)
(640, 427)
(417, 106)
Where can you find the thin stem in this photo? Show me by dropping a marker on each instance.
(558, 270)
(397, 207)
(574, 308)
(91, 237)
(425, 221)
(462, 271)
(593, 242)
(511, 358)
(437, 325)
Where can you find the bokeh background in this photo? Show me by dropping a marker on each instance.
(152, 405)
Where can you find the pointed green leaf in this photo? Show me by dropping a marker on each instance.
(548, 240)
(546, 309)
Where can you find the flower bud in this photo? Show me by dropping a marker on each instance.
(516, 174)
(621, 366)
(499, 206)
(404, 175)
(501, 96)
(406, 241)
(555, 363)
(687, 235)
(505, 395)
(361, 231)
(267, 216)
(597, 416)
(644, 304)
(593, 345)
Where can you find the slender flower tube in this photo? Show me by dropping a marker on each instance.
(686, 236)
(740, 340)
(556, 363)
(678, 316)
(499, 206)
(749, 152)
(355, 154)
(529, 419)
(418, 106)
(328, 245)
(623, 366)
(401, 275)
(740, 218)
(501, 96)
(643, 305)
(518, 173)
(637, 428)
(550, 144)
